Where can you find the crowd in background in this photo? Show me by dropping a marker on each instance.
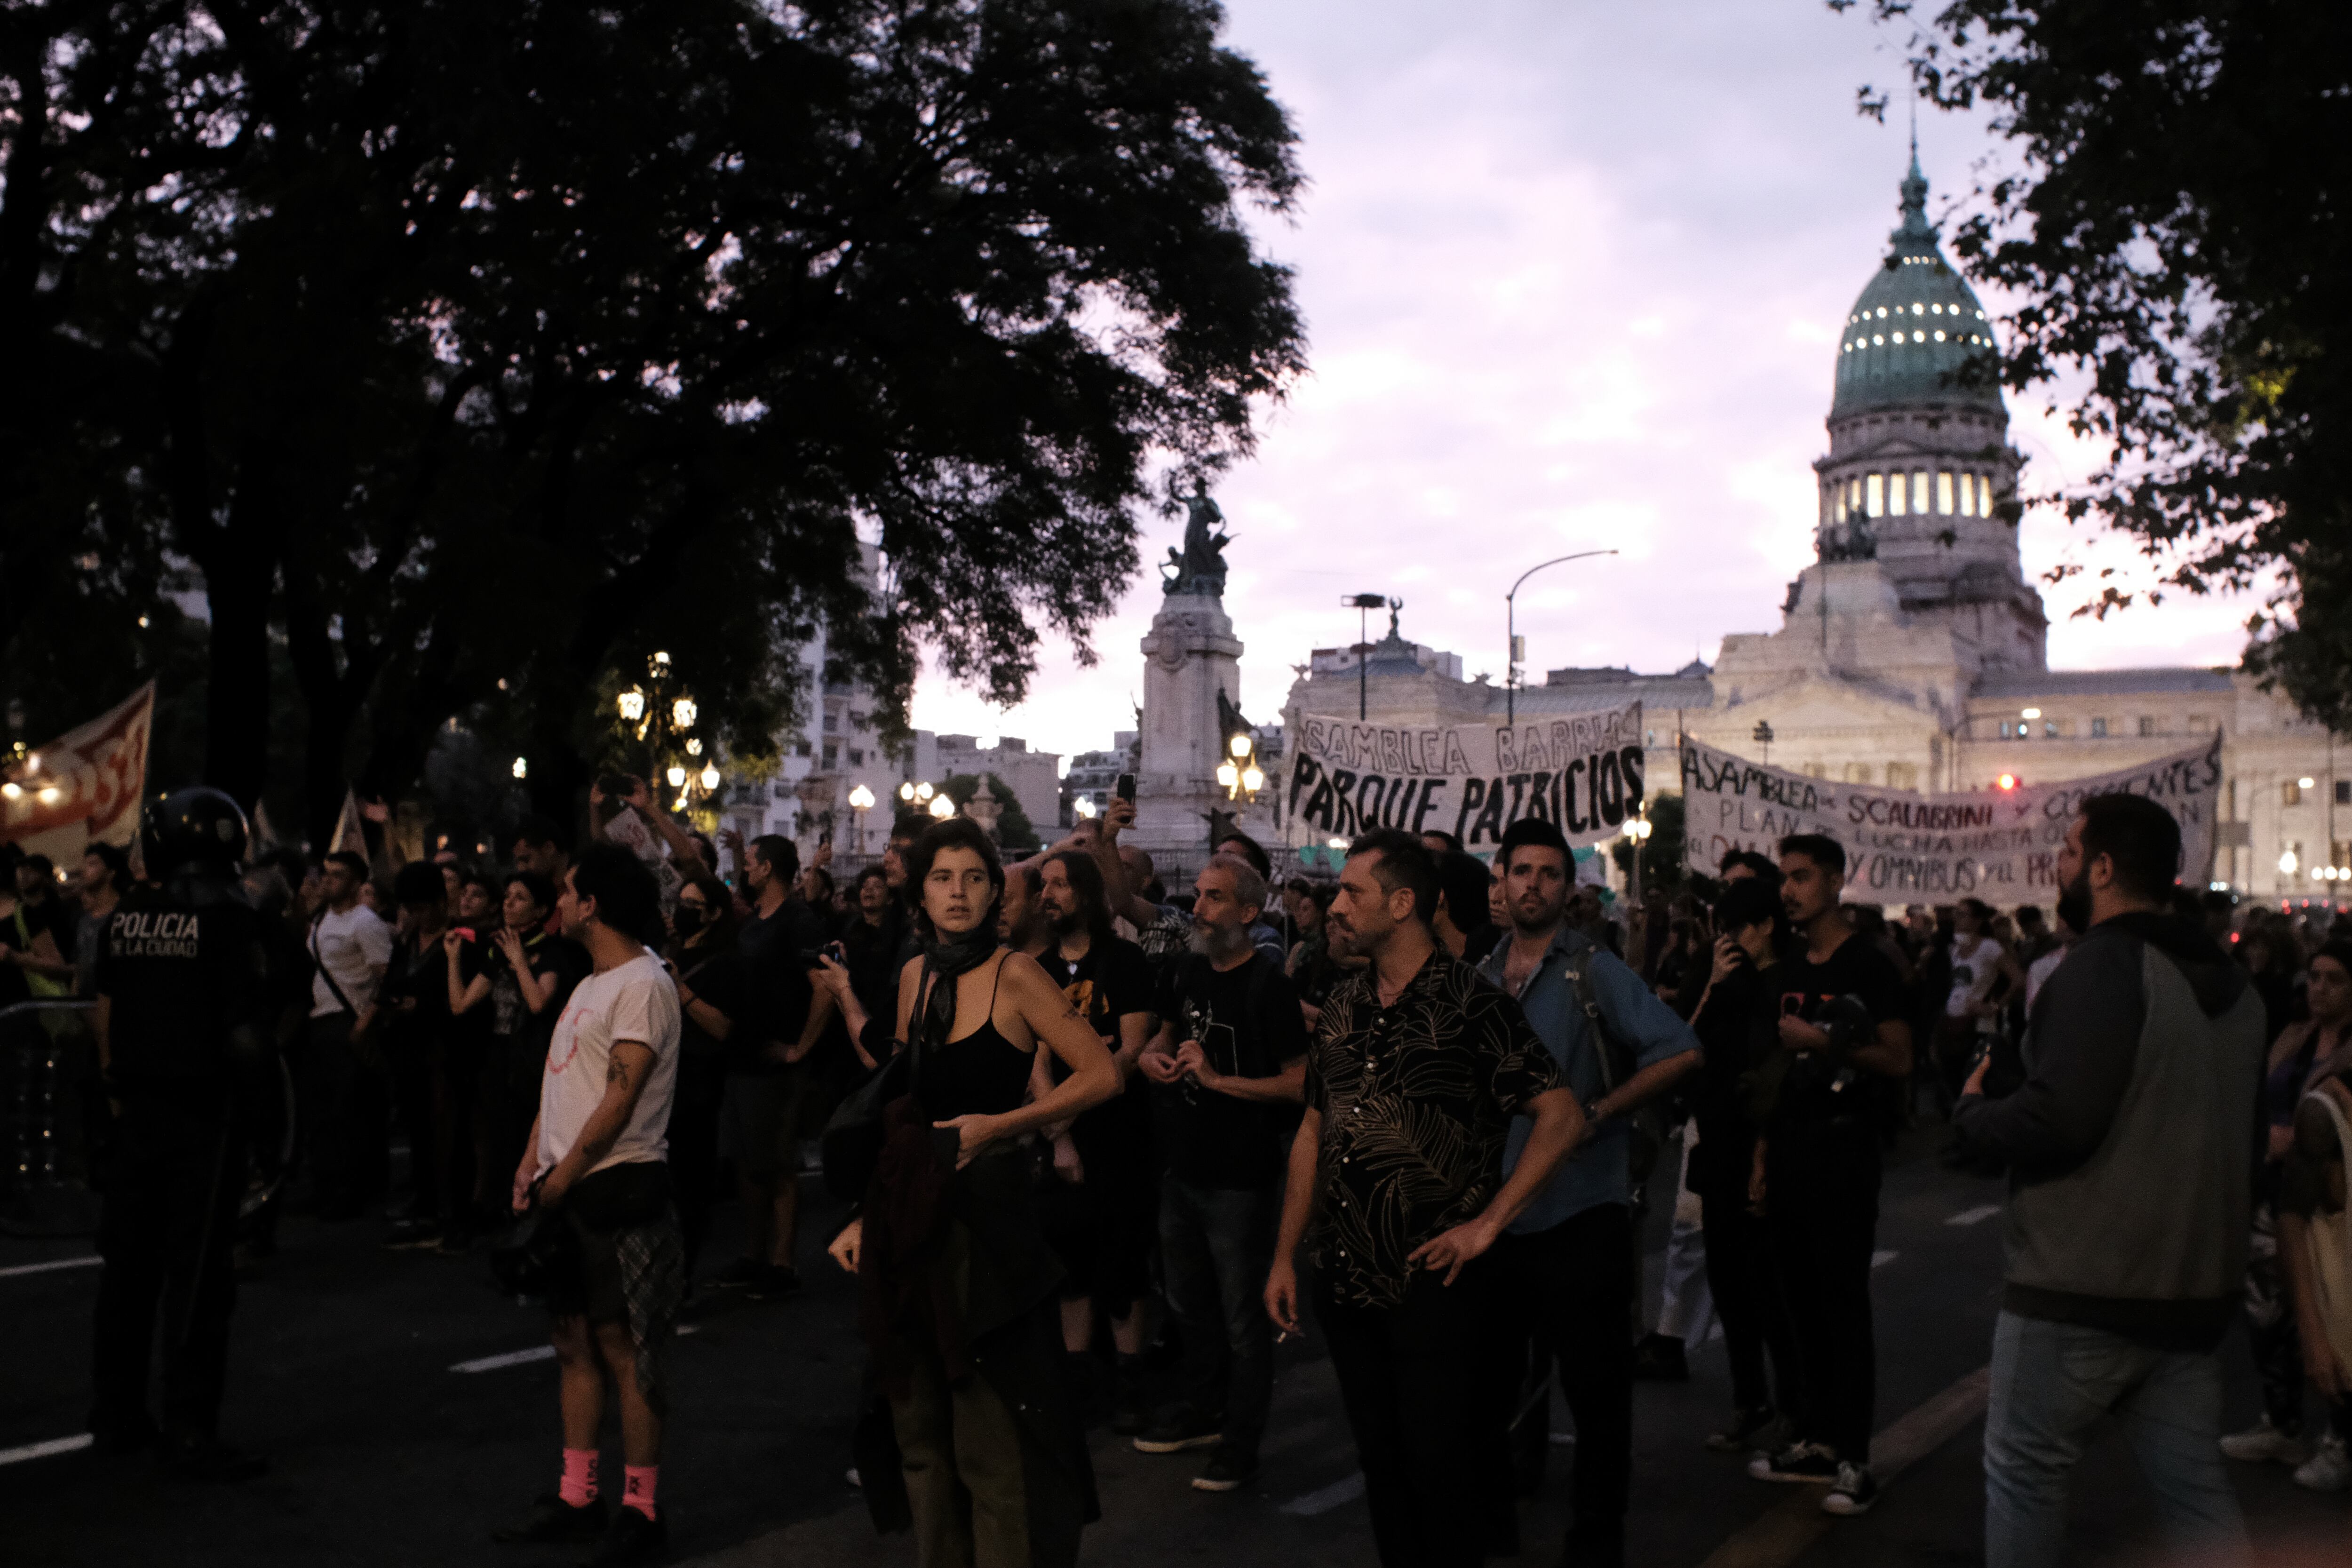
(414, 1004)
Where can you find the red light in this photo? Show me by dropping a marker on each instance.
(2006, 781)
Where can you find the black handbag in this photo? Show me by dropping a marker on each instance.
(851, 1144)
(535, 1252)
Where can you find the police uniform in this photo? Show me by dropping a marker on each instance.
(181, 974)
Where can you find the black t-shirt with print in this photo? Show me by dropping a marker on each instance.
(1112, 982)
(1825, 1107)
(1247, 1021)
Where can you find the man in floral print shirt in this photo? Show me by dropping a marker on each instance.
(1417, 1069)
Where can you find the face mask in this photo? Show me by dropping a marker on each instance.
(689, 918)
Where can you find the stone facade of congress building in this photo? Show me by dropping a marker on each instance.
(1911, 653)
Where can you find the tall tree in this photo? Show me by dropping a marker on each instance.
(2172, 207)
(489, 349)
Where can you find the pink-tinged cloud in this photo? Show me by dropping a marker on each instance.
(1573, 275)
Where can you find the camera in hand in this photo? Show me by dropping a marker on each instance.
(618, 785)
(1125, 788)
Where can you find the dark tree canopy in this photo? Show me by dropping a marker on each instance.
(473, 352)
(2173, 205)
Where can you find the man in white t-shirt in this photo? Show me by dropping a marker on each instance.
(598, 1153)
(344, 1130)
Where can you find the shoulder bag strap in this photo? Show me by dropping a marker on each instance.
(319, 960)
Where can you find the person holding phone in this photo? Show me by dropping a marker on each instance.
(1739, 1022)
(1818, 1166)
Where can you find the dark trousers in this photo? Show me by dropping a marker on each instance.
(1216, 1245)
(413, 1061)
(1821, 1212)
(1407, 1376)
(342, 1118)
(1561, 1294)
(1747, 1288)
(694, 1146)
(175, 1174)
(458, 1066)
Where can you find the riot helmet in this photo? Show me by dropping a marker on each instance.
(196, 829)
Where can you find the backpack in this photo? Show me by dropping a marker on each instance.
(1645, 1129)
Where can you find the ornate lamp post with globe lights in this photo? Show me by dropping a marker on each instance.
(661, 719)
(861, 801)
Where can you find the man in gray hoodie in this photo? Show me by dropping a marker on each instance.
(2130, 1147)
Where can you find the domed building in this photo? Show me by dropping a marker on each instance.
(1912, 653)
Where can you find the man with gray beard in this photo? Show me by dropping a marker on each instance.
(1228, 1062)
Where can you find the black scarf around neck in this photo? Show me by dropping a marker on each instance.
(944, 958)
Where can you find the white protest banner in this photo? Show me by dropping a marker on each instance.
(1581, 771)
(83, 787)
(1902, 847)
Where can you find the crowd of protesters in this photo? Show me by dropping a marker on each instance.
(1142, 1131)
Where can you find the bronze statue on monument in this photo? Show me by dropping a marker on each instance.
(1199, 567)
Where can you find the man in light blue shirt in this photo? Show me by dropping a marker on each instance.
(1562, 1276)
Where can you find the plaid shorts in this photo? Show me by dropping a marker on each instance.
(634, 1275)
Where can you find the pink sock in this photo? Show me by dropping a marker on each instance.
(637, 1489)
(579, 1488)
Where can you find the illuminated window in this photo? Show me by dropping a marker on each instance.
(1901, 776)
(1919, 491)
(1854, 495)
(1944, 492)
(1895, 488)
(1873, 493)
(1967, 495)
(1984, 496)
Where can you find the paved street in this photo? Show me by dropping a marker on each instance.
(406, 1408)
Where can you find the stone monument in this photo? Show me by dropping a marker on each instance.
(1191, 680)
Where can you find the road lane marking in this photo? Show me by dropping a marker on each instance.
(536, 1353)
(1323, 1499)
(43, 1450)
(1881, 1259)
(91, 1261)
(1981, 1213)
(1782, 1534)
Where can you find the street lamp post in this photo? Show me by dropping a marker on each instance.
(861, 801)
(1762, 736)
(1511, 630)
(1363, 604)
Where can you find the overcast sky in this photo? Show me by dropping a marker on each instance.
(1571, 273)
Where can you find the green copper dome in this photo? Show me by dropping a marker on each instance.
(1916, 327)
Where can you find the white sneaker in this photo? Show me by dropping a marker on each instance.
(2261, 1441)
(2329, 1469)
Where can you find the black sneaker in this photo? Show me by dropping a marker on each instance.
(1174, 1434)
(774, 1280)
(1228, 1470)
(633, 1538)
(553, 1519)
(1746, 1435)
(743, 1271)
(407, 1234)
(1658, 1358)
(208, 1459)
(1853, 1492)
(1797, 1462)
(1127, 1413)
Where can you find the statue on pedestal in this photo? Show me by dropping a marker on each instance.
(1200, 566)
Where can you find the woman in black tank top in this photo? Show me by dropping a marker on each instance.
(957, 1296)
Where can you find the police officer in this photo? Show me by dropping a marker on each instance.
(180, 991)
